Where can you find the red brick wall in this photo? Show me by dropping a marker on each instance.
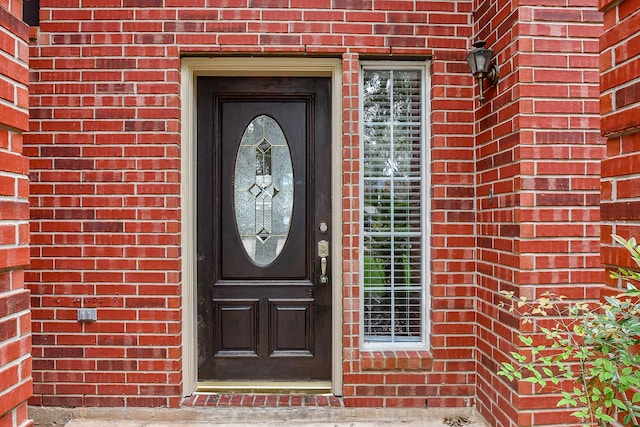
(105, 152)
(538, 151)
(620, 108)
(105, 198)
(15, 326)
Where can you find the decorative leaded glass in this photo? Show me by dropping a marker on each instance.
(263, 190)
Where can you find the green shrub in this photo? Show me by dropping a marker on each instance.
(592, 354)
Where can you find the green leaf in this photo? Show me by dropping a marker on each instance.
(580, 414)
(564, 402)
(619, 404)
(526, 340)
(605, 417)
(535, 372)
(520, 358)
(508, 367)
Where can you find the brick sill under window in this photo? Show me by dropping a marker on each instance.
(398, 360)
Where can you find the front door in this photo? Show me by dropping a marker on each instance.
(264, 222)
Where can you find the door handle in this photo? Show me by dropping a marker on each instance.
(323, 253)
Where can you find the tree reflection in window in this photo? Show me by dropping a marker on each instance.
(392, 206)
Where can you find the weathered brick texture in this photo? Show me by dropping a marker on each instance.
(514, 185)
(538, 151)
(105, 193)
(620, 108)
(15, 320)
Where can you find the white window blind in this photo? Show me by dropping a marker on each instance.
(392, 205)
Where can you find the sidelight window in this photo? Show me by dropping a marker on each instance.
(394, 204)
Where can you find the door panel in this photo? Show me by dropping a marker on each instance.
(291, 322)
(264, 183)
(237, 322)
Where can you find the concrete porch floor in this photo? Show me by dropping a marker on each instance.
(234, 417)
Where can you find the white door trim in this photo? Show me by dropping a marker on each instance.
(263, 67)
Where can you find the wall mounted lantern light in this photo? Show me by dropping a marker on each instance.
(479, 60)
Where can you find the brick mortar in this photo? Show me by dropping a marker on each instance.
(525, 129)
(452, 152)
(15, 357)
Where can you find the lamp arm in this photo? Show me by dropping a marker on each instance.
(480, 86)
(493, 75)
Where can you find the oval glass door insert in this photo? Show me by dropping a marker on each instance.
(263, 190)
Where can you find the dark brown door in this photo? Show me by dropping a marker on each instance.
(264, 204)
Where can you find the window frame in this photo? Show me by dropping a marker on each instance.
(425, 323)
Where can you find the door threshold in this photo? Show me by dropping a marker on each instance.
(265, 387)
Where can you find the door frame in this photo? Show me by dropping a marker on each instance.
(191, 69)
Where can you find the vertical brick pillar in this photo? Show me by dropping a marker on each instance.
(15, 318)
(620, 108)
(538, 150)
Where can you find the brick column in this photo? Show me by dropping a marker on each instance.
(538, 152)
(620, 108)
(15, 318)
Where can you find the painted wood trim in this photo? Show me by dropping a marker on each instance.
(192, 67)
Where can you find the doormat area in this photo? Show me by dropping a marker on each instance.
(262, 400)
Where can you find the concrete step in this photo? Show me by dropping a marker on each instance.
(234, 417)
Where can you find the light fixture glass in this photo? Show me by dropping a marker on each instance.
(479, 60)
